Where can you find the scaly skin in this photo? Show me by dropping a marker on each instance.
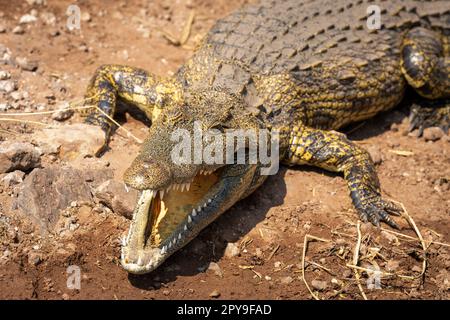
(303, 68)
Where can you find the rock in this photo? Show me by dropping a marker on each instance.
(433, 133)
(214, 294)
(13, 178)
(34, 258)
(4, 75)
(232, 250)
(4, 107)
(18, 156)
(390, 237)
(115, 196)
(7, 86)
(16, 95)
(27, 65)
(27, 18)
(416, 269)
(48, 18)
(18, 30)
(75, 140)
(286, 280)
(2, 28)
(46, 192)
(392, 265)
(443, 280)
(347, 274)
(65, 296)
(375, 154)
(319, 285)
(62, 114)
(214, 267)
(86, 17)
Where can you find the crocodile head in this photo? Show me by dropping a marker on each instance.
(178, 199)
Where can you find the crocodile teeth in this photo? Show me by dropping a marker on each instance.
(174, 241)
(185, 227)
(199, 209)
(204, 205)
(161, 193)
(163, 250)
(126, 189)
(194, 213)
(140, 262)
(124, 241)
(182, 187)
(188, 186)
(209, 200)
(189, 219)
(179, 236)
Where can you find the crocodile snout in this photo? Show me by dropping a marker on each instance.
(145, 174)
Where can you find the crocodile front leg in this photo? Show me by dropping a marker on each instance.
(333, 151)
(132, 85)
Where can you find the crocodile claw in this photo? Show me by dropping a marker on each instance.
(424, 117)
(377, 210)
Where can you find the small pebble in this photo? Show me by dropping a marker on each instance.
(4, 75)
(286, 280)
(319, 285)
(18, 30)
(27, 18)
(214, 294)
(433, 133)
(26, 64)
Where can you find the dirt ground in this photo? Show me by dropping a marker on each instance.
(269, 228)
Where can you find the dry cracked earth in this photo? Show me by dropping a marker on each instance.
(61, 207)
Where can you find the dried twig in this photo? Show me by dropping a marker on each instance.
(24, 121)
(356, 260)
(305, 248)
(415, 239)
(419, 235)
(273, 252)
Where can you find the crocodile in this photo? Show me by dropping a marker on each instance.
(301, 69)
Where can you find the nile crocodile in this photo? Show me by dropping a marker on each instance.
(299, 68)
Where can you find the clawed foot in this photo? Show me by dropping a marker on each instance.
(95, 119)
(377, 210)
(422, 117)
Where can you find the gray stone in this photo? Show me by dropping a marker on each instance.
(62, 114)
(27, 65)
(27, 18)
(214, 267)
(73, 140)
(433, 133)
(4, 75)
(375, 154)
(286, 280)
(115, 196)
(18, 30)
(13, 178)
(7, 86)
(319, 285)
(231, 250)
(18, 156)
(45, 192)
